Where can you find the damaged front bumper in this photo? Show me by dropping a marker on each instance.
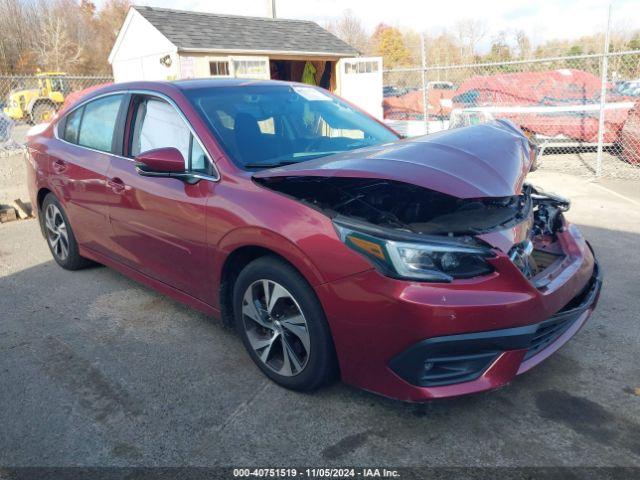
(455, 359)
(417, 341)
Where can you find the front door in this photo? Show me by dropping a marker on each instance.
(159, 224)
(360, 82)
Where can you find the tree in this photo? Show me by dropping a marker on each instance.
(470, 32)
(54, 49)
(500, 50)
(388, 43)
(108, 22)
(524, 45)
(575, 50)
(444, 50)
(49, 34)
(413, 42)
(18, 26)
(349, 29)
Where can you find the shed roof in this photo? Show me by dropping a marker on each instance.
(196, 31)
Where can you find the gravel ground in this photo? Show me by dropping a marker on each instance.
(98, 370)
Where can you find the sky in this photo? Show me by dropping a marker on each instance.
(540, 19)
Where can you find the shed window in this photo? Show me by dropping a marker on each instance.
(361, 67)
(251, 68)
(219, 69)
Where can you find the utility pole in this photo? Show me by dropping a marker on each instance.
(271, 8)
(603, 95)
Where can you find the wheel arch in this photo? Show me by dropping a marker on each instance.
(42, 193)
(239, 248)
(235, 262)
(40, 196)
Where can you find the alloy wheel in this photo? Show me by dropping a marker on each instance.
(276, 327)
(57, 234)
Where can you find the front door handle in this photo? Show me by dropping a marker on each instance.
(117, 185)
(59, 166)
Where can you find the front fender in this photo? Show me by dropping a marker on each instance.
(253, 236)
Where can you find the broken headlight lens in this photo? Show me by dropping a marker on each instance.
(434, 262)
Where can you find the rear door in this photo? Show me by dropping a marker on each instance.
(79, 161)
(159, 224)
(360, 82)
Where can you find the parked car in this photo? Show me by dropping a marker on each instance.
(556, 107)
(416, 269)
(628, 142)
(407, 104)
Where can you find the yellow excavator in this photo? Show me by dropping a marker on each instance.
(40, 102)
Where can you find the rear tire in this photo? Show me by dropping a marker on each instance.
(283, 326)
(59, 235)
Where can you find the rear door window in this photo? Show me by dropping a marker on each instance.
(99, 122)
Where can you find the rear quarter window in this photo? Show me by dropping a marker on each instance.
(72, 126)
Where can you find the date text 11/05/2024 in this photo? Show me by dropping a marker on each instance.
(315, 473)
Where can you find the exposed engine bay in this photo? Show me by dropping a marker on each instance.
(403, 207)
(415, 209)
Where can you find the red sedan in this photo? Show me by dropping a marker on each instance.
(416, 269)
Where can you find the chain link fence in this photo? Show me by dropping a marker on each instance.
(30, 99)
(583, 110)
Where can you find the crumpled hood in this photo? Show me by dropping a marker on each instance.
(487, 160)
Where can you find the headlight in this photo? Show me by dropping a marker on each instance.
(427, 261)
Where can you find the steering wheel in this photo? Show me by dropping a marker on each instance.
(314, 143)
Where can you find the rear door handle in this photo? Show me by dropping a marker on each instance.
(59, 166)
(117, 185)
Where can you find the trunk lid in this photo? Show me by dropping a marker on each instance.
(488, 160)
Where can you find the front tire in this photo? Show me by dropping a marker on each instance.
(60, 238)
(283, 326)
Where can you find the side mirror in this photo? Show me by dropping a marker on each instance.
(161, 161)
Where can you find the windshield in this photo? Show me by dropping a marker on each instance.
(266, 126)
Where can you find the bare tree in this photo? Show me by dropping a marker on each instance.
(54, 49)
(524, 44)
(500, 50)
(470, 32)
(349, 28)
(18, 22)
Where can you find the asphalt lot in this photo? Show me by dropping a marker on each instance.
(98, 370)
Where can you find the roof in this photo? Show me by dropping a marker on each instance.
(190, 31)
(197, 83)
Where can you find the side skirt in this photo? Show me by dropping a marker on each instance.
(157, 285)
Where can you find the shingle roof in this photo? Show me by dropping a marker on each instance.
(208, 31)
